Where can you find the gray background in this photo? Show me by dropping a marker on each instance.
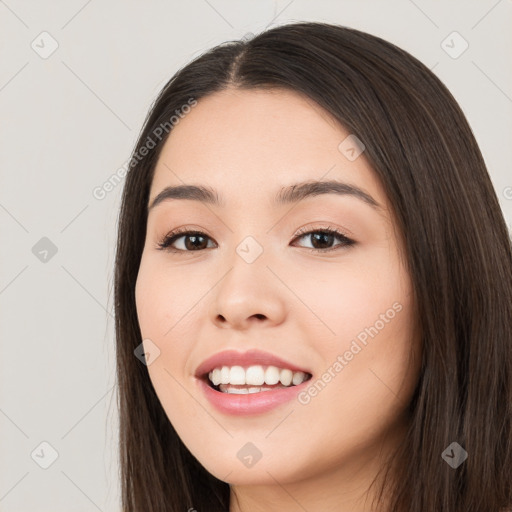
(68, 122)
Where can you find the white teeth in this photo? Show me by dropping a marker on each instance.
(237, 375)
(257, 390)
(298, 378)
(286, 377)
(272, 375)
(242, 391)
(215, 376)
(255, 375)
(238, 391)
(224, 375)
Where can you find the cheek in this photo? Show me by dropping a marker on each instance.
(346, 297)
(162, 316)
(170, 304)
(165, 300)
(165, 297)
(368, 358)
(364, 313)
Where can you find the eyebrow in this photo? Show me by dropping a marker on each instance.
(287, 195)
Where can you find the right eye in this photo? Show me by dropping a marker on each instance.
(193, 241)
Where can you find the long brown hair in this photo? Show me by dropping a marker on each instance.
(458, 253)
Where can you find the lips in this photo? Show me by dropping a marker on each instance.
(245, 359)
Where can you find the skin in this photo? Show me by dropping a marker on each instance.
(306, 307)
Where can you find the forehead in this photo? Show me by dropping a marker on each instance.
(249, 143)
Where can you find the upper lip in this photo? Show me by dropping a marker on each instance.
(248, 358)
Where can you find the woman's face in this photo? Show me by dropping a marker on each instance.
(340, 311)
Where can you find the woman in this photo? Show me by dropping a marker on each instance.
(314, 269)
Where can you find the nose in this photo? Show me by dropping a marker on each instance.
(249, 295)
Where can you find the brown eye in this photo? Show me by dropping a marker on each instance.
(192, 241)
(182, 241)
(322, 239)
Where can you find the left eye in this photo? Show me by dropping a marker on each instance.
(197, 241)
(321, 237)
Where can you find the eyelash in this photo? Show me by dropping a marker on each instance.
(171, 237)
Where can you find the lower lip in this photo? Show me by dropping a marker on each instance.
(250, 403)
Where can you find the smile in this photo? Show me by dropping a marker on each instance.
(248, 399)
(254, 379)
